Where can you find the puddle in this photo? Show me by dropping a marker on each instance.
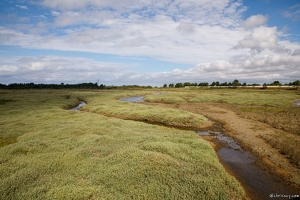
(297, 103)
(133, 99)
(258, 184)
(82, 103)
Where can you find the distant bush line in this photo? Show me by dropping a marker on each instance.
(234, 83)
(90, 85)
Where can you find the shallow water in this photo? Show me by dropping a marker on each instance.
(82, 103)
(297, 103)
(133, 99)
(258, 184)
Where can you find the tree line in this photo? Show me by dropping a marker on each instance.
(52, 86)
(90, 85)
(68, 86)
(234, 83)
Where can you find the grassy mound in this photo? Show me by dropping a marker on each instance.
(109, 105)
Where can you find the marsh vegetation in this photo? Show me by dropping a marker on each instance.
(108, 152)
(63, 154)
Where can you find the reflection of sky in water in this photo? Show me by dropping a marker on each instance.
(133, 99)
(79, 106)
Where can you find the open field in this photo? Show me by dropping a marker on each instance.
(48, 152)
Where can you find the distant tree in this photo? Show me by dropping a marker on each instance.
(213, 84)
(244, 84)
(165, 85)
(236, 83)
(297, 82)
(276, 83)
(224, 84)
(2, 86)
(171, 85)
(264, 85)
(217, 83)
(101, 86)
(203, 84)
(187, 84)
(178, 85)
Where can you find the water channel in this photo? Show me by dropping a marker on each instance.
(82, 103)
(258, 184)
(133, 99)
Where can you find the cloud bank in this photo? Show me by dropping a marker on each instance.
(213, 39)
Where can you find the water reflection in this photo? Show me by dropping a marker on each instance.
(133, 99)
(82, 103)
(258, 184)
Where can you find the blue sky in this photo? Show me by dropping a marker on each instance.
(149, 42)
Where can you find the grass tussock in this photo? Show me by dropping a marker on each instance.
(62, 154)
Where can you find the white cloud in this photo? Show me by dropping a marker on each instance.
(185, 27)
(254, 21)
(261, 69)
(55, 13)
(54, 69)
(7, 69)
(260, 39)
(209, 36)
(22, 7)
(293, 12)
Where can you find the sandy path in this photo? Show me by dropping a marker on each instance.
(247, 132)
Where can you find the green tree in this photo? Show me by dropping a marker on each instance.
(276, 83)
(187, 84)
(236, 83)
(178, 85)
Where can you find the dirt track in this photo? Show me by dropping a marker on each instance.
(247, 132)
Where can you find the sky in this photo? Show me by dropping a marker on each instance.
(149, 42)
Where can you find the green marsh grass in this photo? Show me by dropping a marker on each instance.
(63, 154)
(109, 105)
(255, 97)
